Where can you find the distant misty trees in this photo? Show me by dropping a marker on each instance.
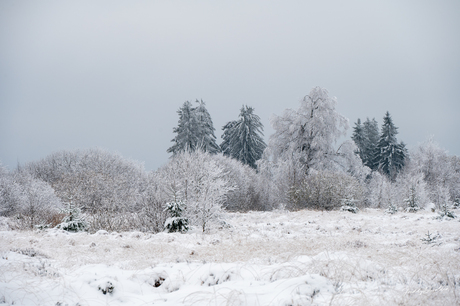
(304, 166)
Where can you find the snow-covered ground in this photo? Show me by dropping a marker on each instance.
(260, 258)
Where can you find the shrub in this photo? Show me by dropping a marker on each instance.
(325, 190)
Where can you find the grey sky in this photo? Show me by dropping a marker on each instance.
(112, 74)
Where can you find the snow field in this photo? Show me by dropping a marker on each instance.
(261, 258)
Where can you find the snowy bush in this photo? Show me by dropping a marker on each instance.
(445, 204)
(11, 195)
(198, 180)
(108, 188)
(176, 222)
(412, 202)
(380, 192)
(37, 204)
(349, 205)
(439, 170)
(392, 209)
(247, 193)
(456, 203)
(326, 190)
(73, 220)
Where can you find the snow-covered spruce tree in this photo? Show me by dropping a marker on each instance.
(176, 222)
(227, 136)
(73, 220)
(195, 130)
(366, 136)
(242, 139)
(206, 138)
(359, 138)
(391, 154)
(444, 203)
(348, 204)
(409, 185)
(371, 139)
(392, 209)
(187, 130)
(412, 202)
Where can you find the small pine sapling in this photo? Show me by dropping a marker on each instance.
(349, 205)
(429, 238)
(412, 201)
(392, 209)
(456, 204)
(445, 212)
(176, 223)
(73, 220)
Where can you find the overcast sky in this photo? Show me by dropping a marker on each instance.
(112, 74)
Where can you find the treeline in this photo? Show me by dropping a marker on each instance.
(301, 167)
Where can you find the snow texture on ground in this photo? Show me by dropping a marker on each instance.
(259, 258)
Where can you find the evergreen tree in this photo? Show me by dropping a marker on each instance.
(371, 138)
(412, 201)
(73, 220)
(195, 130)
(177, 222)
(359, 139)
(243, 138)
(391, 154)
(206, 137)
(227, 136)
(187, 130)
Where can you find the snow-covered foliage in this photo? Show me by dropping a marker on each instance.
(198, 180)
(242, 139)
(349, 205)
(380, 192)
(366, 137)
(412, 201)
(262, 258)
(206, 138)
(73, 220)
(412, 189)
(176, 222)
(113, 192)
(392, 209)
(439, 170)
(444, 203)
(303, 143)
(195, 130)
(247, 193)
(391, 155)
(10, 194)
(308, 135)
(37, 202)
(326, 190)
